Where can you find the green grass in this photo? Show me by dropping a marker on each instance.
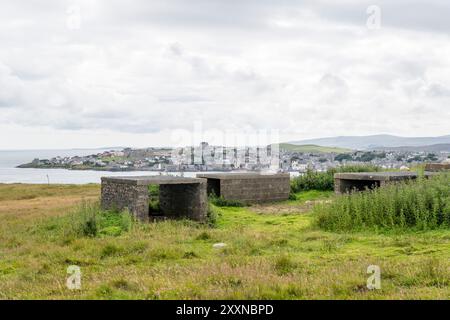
(153, 191)
(268, 256)
(222, 202)
(310, 195)
(311, 148)
(422, 204)
(33, 191)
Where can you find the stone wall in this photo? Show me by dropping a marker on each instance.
(125, 195)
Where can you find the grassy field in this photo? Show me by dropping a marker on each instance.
(273, 252)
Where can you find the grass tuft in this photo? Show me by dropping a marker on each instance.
(222, 202)
(284, 265)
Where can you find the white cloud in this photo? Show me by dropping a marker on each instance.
(145, 68)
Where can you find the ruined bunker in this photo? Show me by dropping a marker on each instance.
(359, 181)
(178, 196)
(436, 167)
(248, 187)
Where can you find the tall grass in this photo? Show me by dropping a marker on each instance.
(423, 204)
(324, 181)
(89, 220)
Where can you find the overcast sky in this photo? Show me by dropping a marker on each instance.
(90, 73)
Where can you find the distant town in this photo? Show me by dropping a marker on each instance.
(204, 157)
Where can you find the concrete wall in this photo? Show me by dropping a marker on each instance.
(435, 167)
(255, 190)
(359, 181)
(344, 186)
(187, 200)
(129, 196)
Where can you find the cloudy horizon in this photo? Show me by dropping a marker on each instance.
(85, 74)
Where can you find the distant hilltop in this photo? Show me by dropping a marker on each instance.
(375, 142)
(441, 147)
(310, 148)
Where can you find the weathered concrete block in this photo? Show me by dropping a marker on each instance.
(435, 167)
(359, 181)
(249, 187)
(191, 200)
(179, 197)
(122, 196)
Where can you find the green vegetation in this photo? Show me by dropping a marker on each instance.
(431, 157)
(33, 191)
(313, 180)
(270, 253)
(310, 195)
(89, 220)
(422, 204)
(311, 148)
(213, 215)
(153, 203)
(222, 202)
(343, 157)
(369, 156)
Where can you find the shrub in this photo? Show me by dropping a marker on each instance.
(89, 220)
(212, 215)
(221, 202)
(153, 204)
(324, 181)
(153, 191)
(423, 204)
(292, 195)
(111, 231)
(312, 180)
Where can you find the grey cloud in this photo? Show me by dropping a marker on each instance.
(429, 15)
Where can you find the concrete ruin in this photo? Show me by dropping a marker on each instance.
(360, 181)
(179, 197)
(248, 187)
(436, 167)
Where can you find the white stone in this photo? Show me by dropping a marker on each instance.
(219, 245)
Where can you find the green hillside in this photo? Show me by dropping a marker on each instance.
(312, 148)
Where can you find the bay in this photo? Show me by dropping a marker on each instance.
(10, 174)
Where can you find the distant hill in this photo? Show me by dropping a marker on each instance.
(442, 147)
(311, 148)
(374, 141)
